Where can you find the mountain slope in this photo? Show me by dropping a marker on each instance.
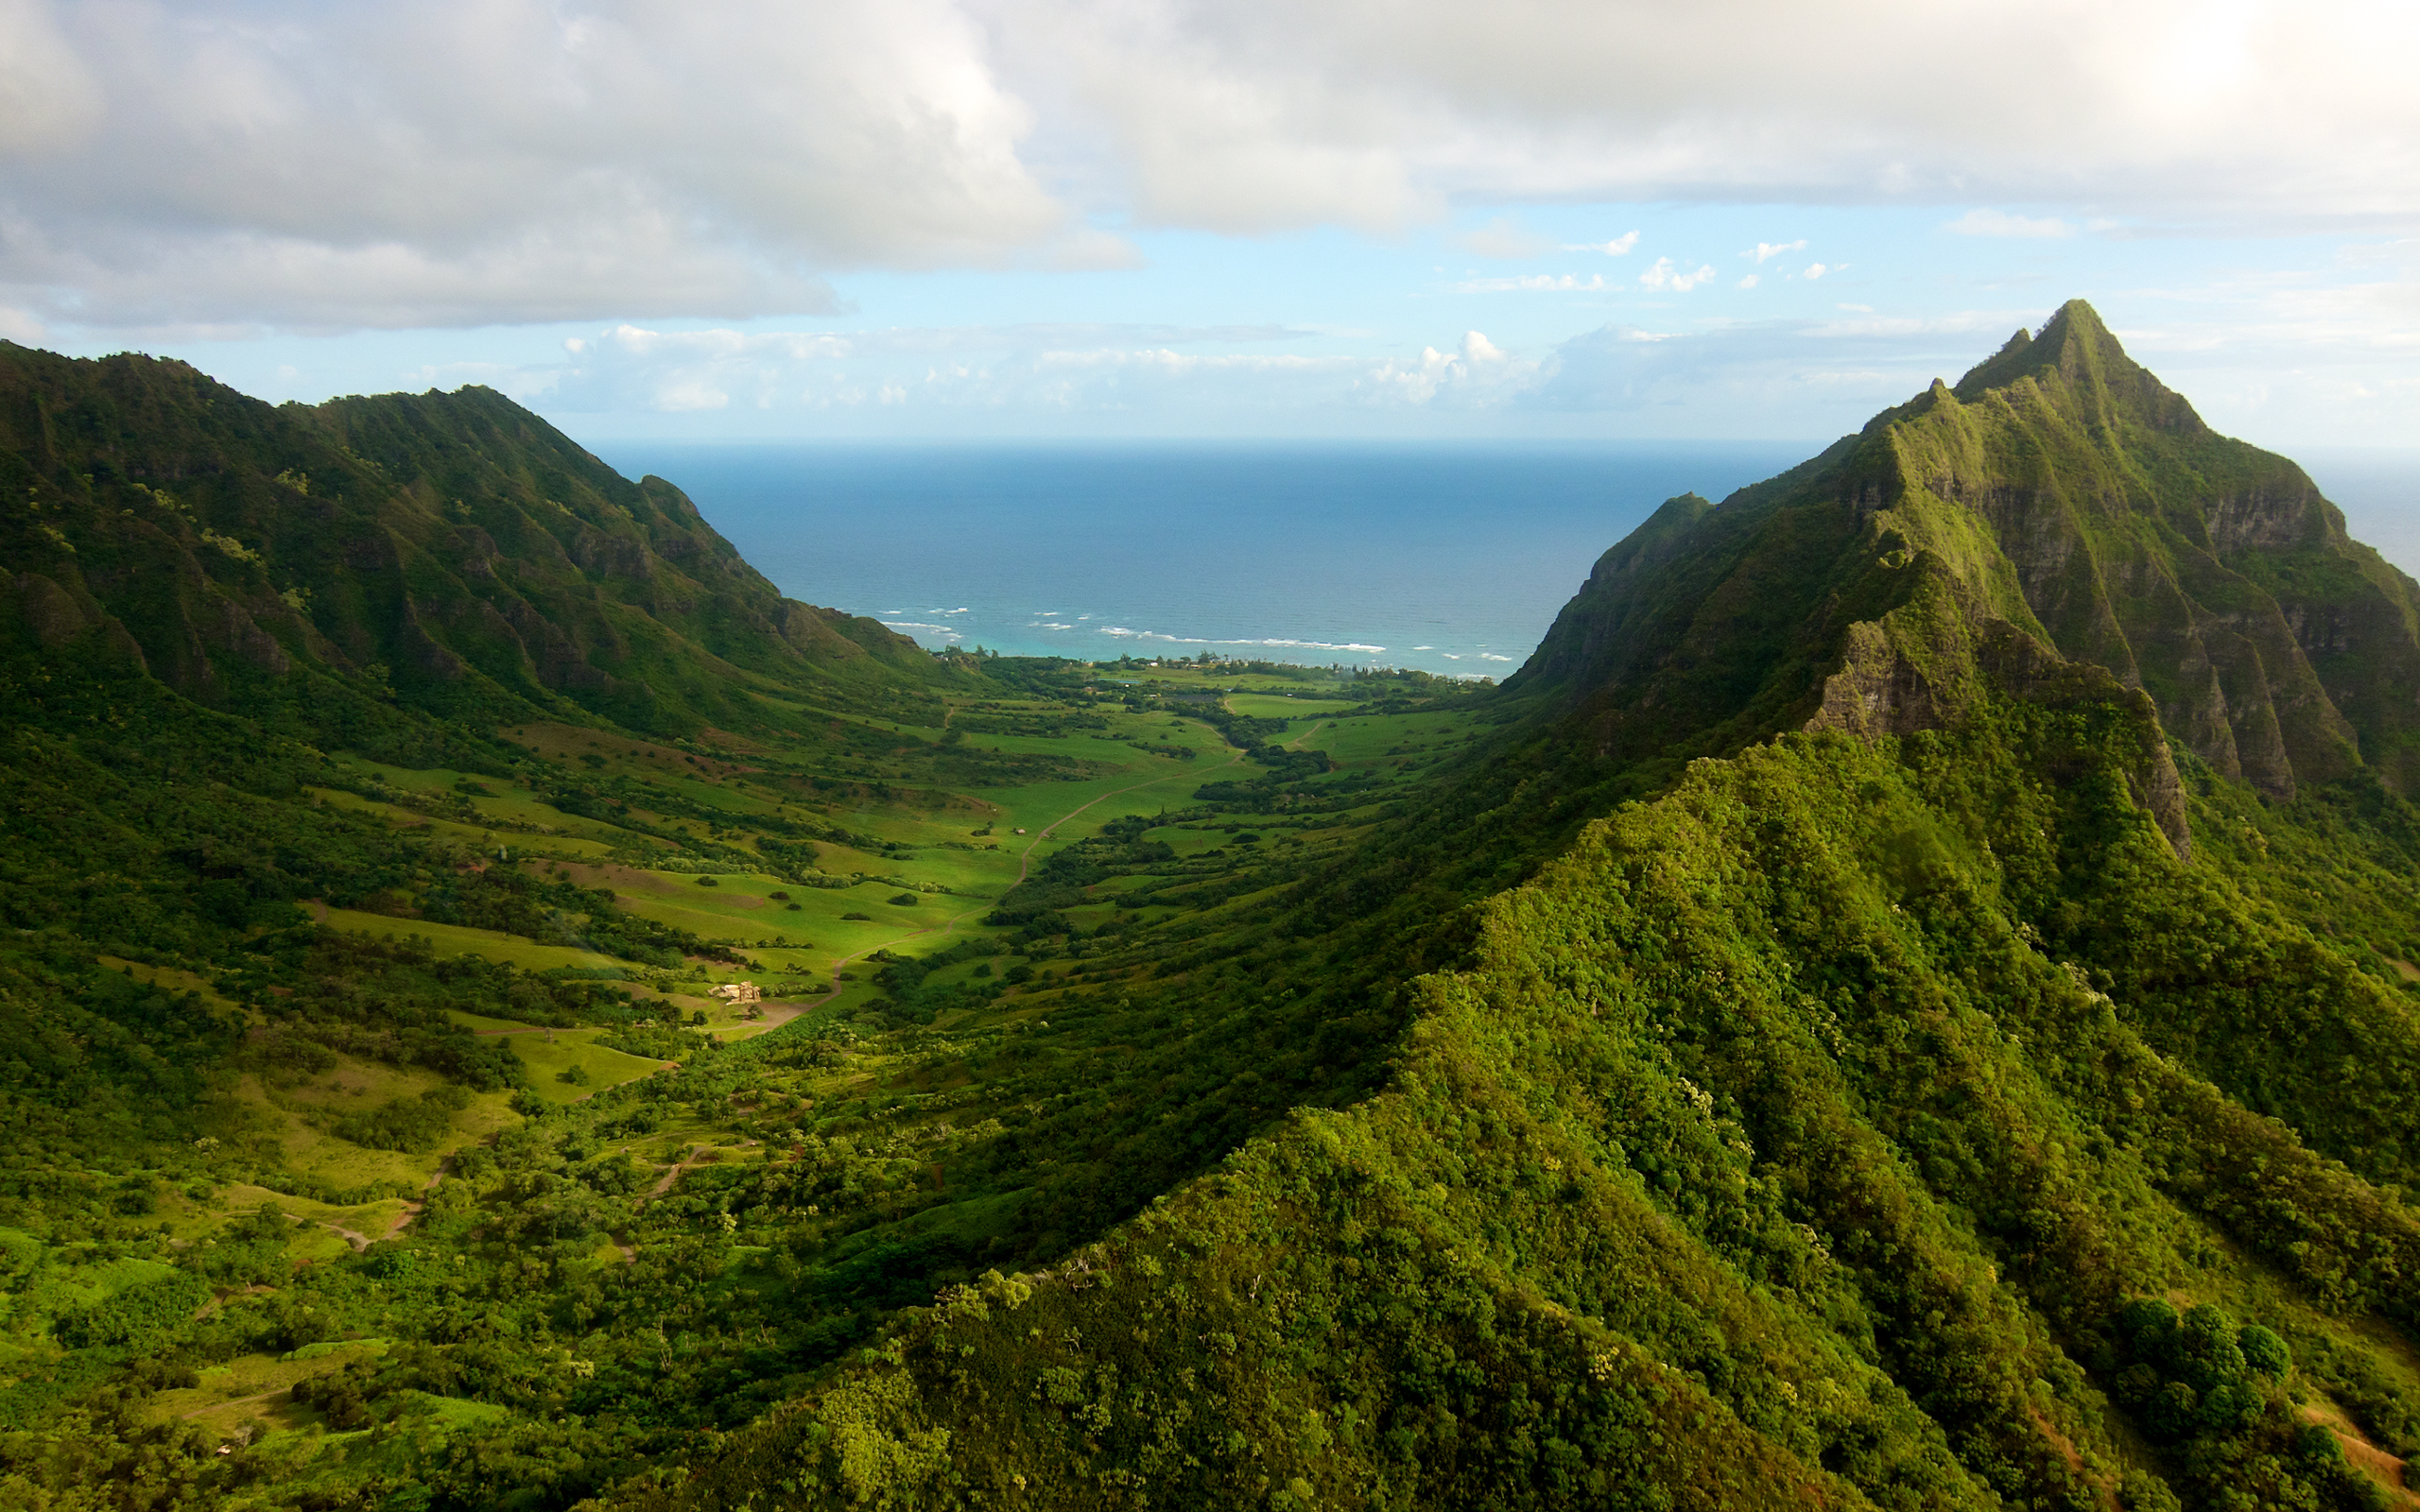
(451, 553)
(1772, 1151)
(1903, 1109)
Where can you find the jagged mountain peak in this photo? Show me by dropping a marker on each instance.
(2057, 515)
(2076, 355)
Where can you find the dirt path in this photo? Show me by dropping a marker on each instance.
(674, 1175)
(412, 1207)
(358, 1240)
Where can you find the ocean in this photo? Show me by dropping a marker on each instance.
(1453, 558)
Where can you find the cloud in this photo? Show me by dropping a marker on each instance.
(1478, 375)
(220, 164)
(1767, 377)
(1765, 252)
(1060, 369)
(1536, 283)
(1501, 238)
(2000, 223)
(1665, 276)
(1747, 282)
(1253, 113)
(1618, 246)
(459, 161)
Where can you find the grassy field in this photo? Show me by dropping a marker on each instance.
(927, 865)
(352, 1085)
(459, 939)
(255, 1388)
(1286, 705)
(551, 1053)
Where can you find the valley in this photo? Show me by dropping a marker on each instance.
(1907, 1000)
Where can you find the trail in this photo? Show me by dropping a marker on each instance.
(358, 1240)
(236, 1401)
(684, 1163)
(412, 1206)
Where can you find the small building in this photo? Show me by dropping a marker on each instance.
(739, 993)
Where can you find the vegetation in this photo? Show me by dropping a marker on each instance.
(1818, 1036)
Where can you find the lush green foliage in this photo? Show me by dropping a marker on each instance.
(1444, 1096)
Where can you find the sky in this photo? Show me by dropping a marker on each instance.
(1365, 219)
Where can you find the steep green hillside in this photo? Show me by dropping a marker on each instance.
(1961, 1103)
(1805, 1137)
(447, 553)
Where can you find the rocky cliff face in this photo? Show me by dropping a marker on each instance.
(2058, 520)
(452, 552)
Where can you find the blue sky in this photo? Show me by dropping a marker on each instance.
(934, 218)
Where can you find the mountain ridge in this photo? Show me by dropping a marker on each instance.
(450, 551)
(2063, 503)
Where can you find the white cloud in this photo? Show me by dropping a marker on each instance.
(1680, 281)
(1061, 369)
(1478, 375)
(1767, 377)
(1618, 246)
(1747, 282)
(2001, 223)
(213, 164)
(1816, 271)
(1536, 283)
(1246, 114)
(1765, 252)
(458, 162)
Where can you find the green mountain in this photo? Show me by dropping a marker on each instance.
(1900, 1110)
(2059, 505)
(1909, 999)
(449, 553)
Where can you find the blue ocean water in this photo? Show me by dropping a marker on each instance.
(1452, 558)
(1449, 557)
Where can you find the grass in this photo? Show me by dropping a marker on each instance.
(1370, 739)
(459, 939)
(173, 979)
(251, 1388)
(1284, 706)
(549, 1053)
